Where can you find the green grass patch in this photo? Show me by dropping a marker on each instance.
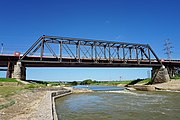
(8, 80)
(176, 77)
(144, 81)
(111, 82)
(33, 85)
(6, 91)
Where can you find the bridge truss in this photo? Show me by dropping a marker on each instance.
(64, 51)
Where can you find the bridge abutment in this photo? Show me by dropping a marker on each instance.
(19, 71)
(160, 75)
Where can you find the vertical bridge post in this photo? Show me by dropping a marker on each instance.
(10, 68)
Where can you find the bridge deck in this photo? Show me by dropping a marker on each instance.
(34, 61)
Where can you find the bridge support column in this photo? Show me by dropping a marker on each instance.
(19, 71)
(9, 70)
(160, 75)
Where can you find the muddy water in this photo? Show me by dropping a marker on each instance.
(120, 105)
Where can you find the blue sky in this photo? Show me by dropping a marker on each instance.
(22, 22)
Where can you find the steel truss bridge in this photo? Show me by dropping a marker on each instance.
(65, 51)
(54, 51)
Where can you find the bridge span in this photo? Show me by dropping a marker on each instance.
(54, 51)
(33, 61)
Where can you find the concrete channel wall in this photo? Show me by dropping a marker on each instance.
(47, 109)
(54, 95)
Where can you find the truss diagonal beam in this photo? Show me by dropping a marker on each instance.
(32, 47)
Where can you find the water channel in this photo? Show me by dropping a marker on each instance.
(117, 104)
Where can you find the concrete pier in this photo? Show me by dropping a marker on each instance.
(19, 71)
(160, 75)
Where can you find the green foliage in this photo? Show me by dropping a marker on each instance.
(74, 83)
(87, 82)
(8, 80)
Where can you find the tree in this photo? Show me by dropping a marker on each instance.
(86, 82)
(74, 83)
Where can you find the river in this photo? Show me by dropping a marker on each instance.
(119, 105)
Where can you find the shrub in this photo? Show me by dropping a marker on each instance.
(86, 82)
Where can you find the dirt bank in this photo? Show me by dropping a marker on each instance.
(32, 105)
(26, 102)
(171, 85)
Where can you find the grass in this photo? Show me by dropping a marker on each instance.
(176, 77)
(8, 80)
(144, 81)
(110, 82)
(141, 81)
(33, 85)
(6, 91)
